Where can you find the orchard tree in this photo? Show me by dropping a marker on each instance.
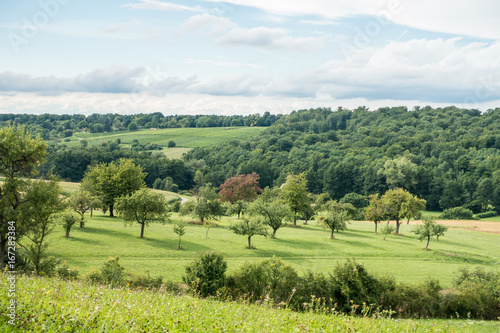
(81, 202)
(270, 208)
(253, 226)
(20, 154)
(179, 230)
(113, 180)
(375, 210)
(337, 216)
(68, 220)
(398, 203)
(43, 201)
(240, 189)
(143, 206)
(207, 205)
(294, 194)
(428, 229)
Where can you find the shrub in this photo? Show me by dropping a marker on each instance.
(144, 281)
(270, 278)
(458, 213)
(66, 273)
(485, 215)
(206, 274)
(111, 273)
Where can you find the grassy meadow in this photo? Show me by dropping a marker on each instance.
(185, 138)
(306, 247)
(51, 305)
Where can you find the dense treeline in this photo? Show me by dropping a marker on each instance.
(448, 156)
(70, 163)
(50, 126)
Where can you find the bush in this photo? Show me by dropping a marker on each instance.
(144, 281)
(485, 215)
(111, 273)
(66, 273)
(206, 274)
(270, 278)
(457, 213)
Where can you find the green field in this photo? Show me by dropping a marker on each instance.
(305, 248)
(51, 305)
(183, 137)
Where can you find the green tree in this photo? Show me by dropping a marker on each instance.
(335, 220)
(43, 200)
(206, 274)
(143, 206)
(399, 172)
(398, 203)
(179, 230)
(20, 154)
(428, 229)
(270, 208)
(294, 194)
(207, 205)
(240, 188)
(112, 180)
(254, 226)
(375, 210)
(68, 220)
(387, 229)
(81, 202)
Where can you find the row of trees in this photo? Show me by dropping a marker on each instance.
(450, 157)
(51, 126)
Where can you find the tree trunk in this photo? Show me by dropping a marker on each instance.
(305, 222)
(274, 233)
(376, 225)
(408, 222)
(332, 236)
(91, 210)
(111, 211)
(206, 234)
(3, 247)
(249, 242)
(179, 246)
(428, 240)
(67, 232)
(82, 222)
(397, 226)
(142, 230)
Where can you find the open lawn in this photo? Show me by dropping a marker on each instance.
(183, 137)
(305, 248)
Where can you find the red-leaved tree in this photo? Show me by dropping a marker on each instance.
(240, 189)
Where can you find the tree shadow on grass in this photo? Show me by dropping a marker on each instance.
(83, 240)
(99, 231)
(171, 244)
(299, 243)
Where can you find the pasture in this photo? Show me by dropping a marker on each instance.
(306, 247)
(185, 138)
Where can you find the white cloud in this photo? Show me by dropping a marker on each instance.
(163, 6)
(216, 25)
(461, 17)
(270, 39)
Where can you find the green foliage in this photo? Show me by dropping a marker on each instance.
(144, 281)
(267, 279)
(254, 226)
(206, 274)
(271, 209)
(294, 194)
(457, 213)
(67, 220)
(428, 229)
(81, 202)
(387, 229)
(143, 206)
(337, 216)
(111, 272)
(207, 205)
(399, 203)
(66, 273)
(180, 231)
(485, 215)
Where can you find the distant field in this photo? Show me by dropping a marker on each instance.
(305, 248)
(183, 137)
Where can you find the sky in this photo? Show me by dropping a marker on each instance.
(246, 56)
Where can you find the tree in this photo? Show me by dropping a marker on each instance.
(207, 205)
(398, 203)
(81, 202)
(375, 210)
(68, 220)
(20, 154)
(179, 230)
(206, 274)
(399, 172)
(241, 188)
(294, 193)
(143, 206)
(387, 229)
(253, 226)
(270, 208)
(428, 229)
(171, 144)
(112, 180)
(43, 201)
(335, 220)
